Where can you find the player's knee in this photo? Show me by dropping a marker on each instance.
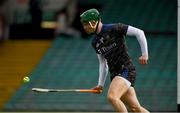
(135, 108)
(112, 98)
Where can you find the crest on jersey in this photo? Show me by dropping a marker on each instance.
(102, 39)
(97, 45)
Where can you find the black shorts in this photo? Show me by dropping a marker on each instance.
(128, 74)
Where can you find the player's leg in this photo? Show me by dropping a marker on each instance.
(117, 88)
(130, 99)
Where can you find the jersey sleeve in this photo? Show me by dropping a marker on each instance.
(132, 31)
(122, 28)
(103, 70)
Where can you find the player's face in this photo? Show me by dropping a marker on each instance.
(89, 27)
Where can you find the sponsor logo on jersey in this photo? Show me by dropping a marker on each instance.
(107, 48)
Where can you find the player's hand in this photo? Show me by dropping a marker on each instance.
(98, 88)
(143, 59)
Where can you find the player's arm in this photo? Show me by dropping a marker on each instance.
(103, 71)
(132, 31)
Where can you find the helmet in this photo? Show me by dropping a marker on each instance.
(89, 15)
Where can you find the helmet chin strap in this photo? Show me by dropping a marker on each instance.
(95, 26)
(92, 25)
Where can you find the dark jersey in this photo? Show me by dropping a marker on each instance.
(110, 43)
